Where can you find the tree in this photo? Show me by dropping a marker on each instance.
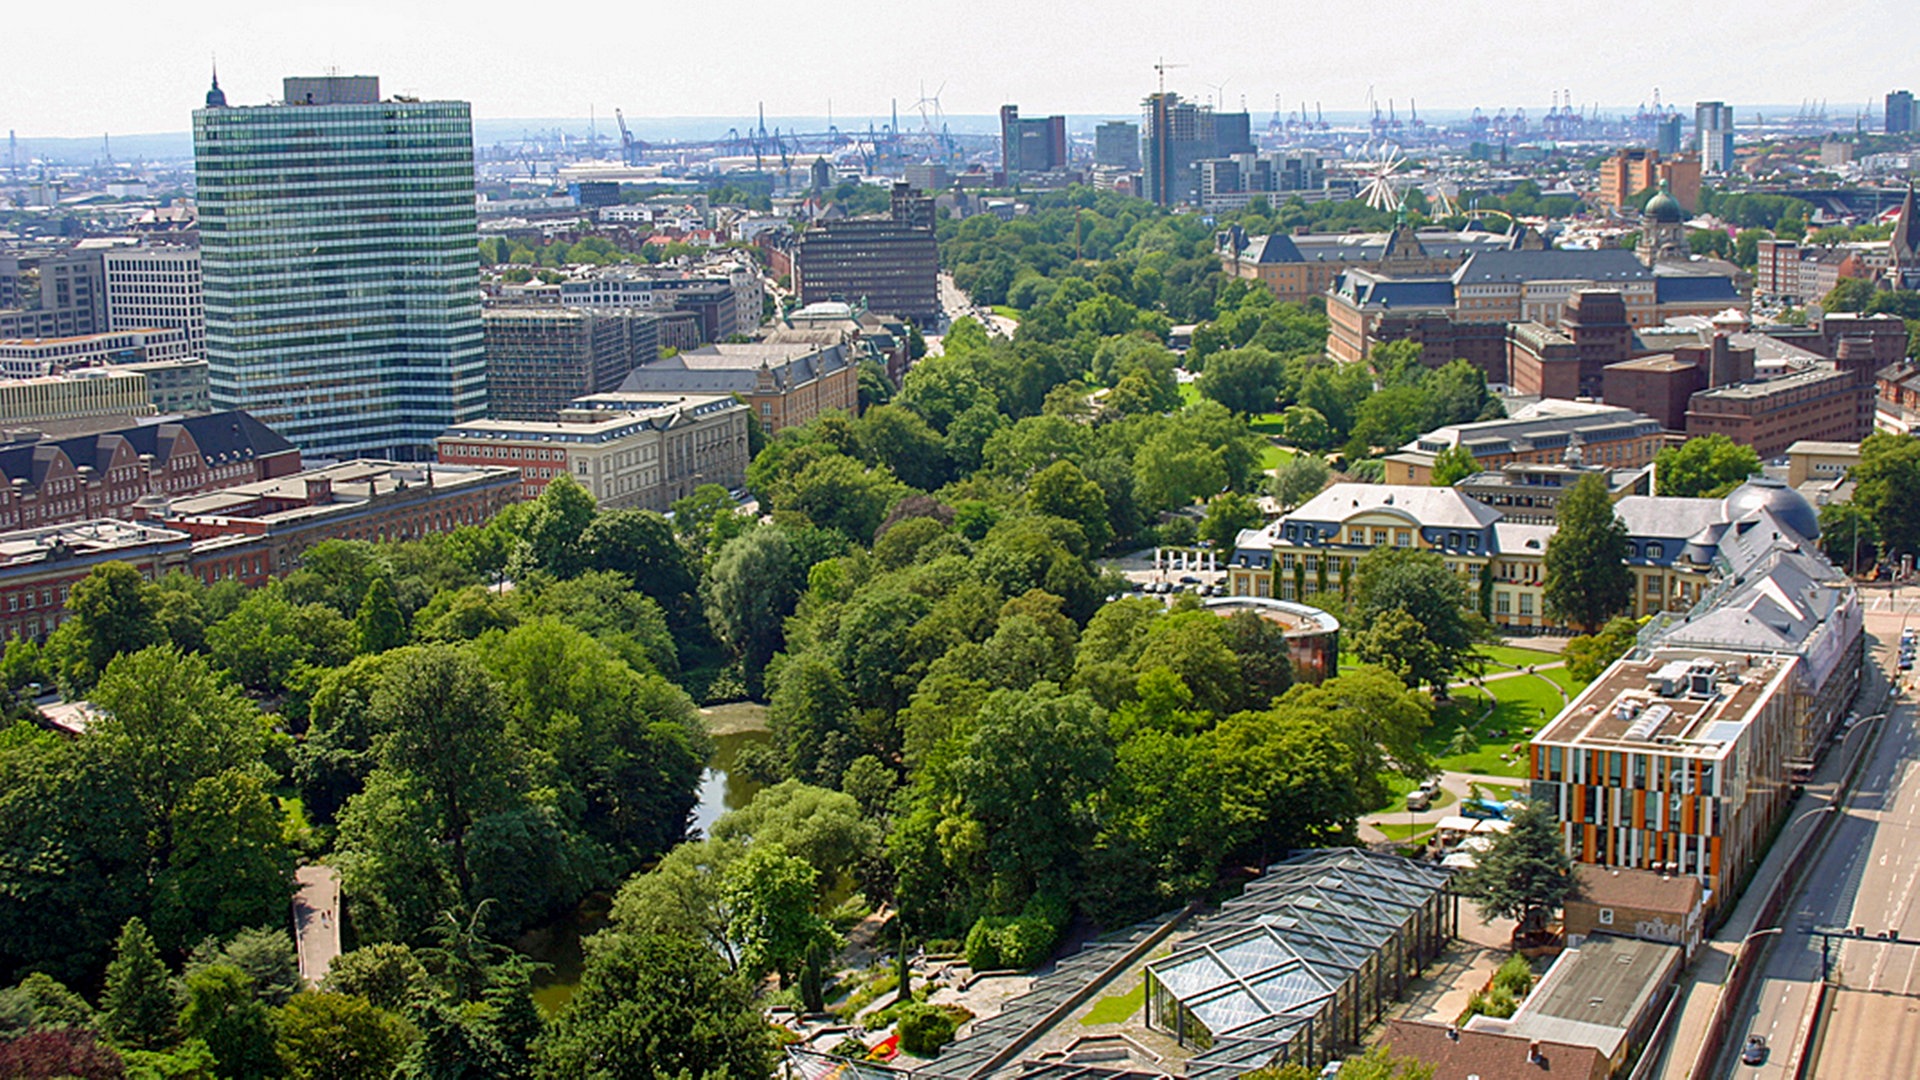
(1847, 535)
(1304, 426)
(821, 827)
(1589, 654)
(384, 973)
(771, 897)
(1245, 380)
(444, 744)
(749, 593)
(1433, 633)
(1848, 294)
(1888, 490)
(556, 527)
(899, 439)
(111, 611)
(338, 1037)
(137, 1007)
(1063, 491)
(1452, 465)
(683, 897)
(1526, 875)
(265, 956)
(40, 1001)
(653, 1004)
(268, 637)
(1587, 580)
(59, 1054)
(168, 723)
(837, 492)
(1170, 471)
(1299, 480)
(1706, 468)
(1228, 514)
(230, 866)
(221, 1010)
(378, 626)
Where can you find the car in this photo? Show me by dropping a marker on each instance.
(1906, 663)
(1189, 579)
(1755, 1052)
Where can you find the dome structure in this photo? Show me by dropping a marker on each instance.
(1788, 506)
(1663, 208)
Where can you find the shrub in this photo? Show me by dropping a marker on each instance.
(1515, 977)
(924, 1029)
(1021, 941)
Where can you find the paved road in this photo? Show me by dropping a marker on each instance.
(1865, 877)
(316, 919)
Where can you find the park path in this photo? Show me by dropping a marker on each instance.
(316, 920)
(1458, 784)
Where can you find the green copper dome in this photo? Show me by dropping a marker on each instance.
(1663, 208)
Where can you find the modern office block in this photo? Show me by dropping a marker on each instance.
(339, 252)
(1713, 136)
(1899, 112)
(157, 288)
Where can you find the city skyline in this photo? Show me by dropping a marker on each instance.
(1068, 60)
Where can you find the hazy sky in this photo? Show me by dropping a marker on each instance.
(126, 67)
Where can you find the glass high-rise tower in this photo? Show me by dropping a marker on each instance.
(340, 265)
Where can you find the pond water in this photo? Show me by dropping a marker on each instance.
(721, 789)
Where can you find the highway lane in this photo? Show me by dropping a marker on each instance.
(1864, 877)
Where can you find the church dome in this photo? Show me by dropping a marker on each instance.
(1663, 208)
(1788, 506)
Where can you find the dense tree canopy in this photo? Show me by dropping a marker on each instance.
(1707, 467)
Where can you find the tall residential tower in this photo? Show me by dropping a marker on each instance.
(339, 251)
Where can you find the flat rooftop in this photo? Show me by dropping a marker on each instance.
(1662, 703)
(1593, 994)
(80, 538)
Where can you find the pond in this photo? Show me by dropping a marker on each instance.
(721, 789)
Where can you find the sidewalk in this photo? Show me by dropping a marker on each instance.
(316, 920)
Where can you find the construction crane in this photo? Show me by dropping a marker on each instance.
(1161, 69)
(630, 147)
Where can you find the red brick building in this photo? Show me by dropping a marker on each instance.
(97, 476)
(1820, 403)
(250, 532)
(254, 532)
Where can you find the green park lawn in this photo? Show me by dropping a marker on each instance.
(1522, 704)
(1189, 393)
(1402, 833)
(1272, 456)
(1006, 312)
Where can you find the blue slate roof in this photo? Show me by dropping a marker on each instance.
(1279, 248)
(1695, 290)
(1615, 264)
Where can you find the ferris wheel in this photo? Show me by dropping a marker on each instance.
(1379, 162)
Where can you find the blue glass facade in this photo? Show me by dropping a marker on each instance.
(341, 271)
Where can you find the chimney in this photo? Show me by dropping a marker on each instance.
(1720, 369)
(1453, 1032)
(1533, 1053)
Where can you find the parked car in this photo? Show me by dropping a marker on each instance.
(1419, 799)
(1755, 1052)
